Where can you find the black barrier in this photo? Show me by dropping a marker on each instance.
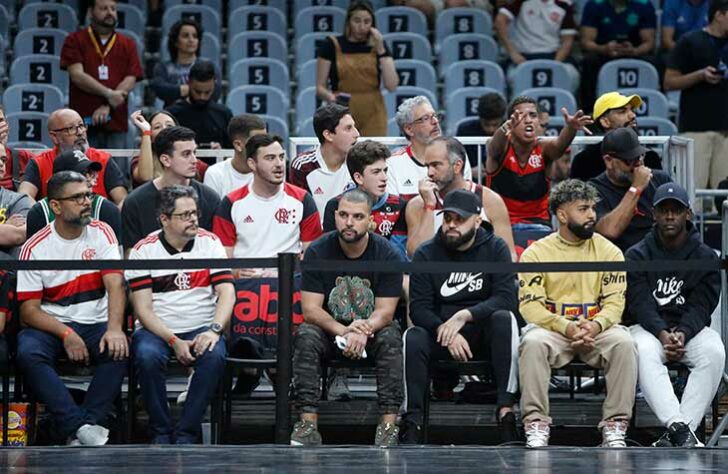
(286, 263)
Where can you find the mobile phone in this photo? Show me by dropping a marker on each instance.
(342, 98)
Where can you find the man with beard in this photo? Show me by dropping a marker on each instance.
(354, 307)
(75, 312)
(103, 66)
(180, 312)
(674, 324)
(626, 189)
(459, 315)
(574, 315)
(611, 111)
(68, 133)
(198, 112)
(419, 124)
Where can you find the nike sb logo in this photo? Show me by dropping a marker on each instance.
(458, 281)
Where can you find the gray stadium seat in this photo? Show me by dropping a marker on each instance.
(555, 125)
(306, 105)
(28, 127)
(393, 99)
(27, 145)
(474, 74)
(260, 72)
(140, 4)
(654, 126)
(214, 4)
(280, 5)
(275, 126)
(47, 15)
(203, 14)
(463, 103)
(654, 103)
(319, 19)
(409, 46)
(4, 23)
(210, 48)
(257, 18)
(467, 46)
(307, 45)
(306, 75)
(39, 69)
(44, 98)
(627, 74)
(39, 41)
(299, 5)
(131, 18)
(257, 44)
(455, 21)
(393, 129)
(258, 100)
(541, 73)
(552, 100)
(401, 20)
(413, 72)
(305, 129)
(137, 41)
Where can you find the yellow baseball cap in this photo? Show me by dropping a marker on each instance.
(614, 100)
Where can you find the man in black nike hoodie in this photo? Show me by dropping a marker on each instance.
(672, 310)
(461, 315)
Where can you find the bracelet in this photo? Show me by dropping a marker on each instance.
(171, 341)
(147, 133)
(430, 207)
(66, 333)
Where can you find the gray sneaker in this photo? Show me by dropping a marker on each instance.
(338, 387)
(92, 435)
(387, 435)
(305, 434)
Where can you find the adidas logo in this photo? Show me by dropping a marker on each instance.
(408, 183)
(319, 190)
(248, 220)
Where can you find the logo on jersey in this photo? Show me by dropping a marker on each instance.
(318, 190)
(535, 161)
(88, 254)
(248, 220)
(385, 228)
(459, 281)
(668, 289)
(182, 281)
(407, 183)
(283, 215)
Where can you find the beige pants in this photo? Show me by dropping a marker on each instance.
(542, 349)
(711, 158)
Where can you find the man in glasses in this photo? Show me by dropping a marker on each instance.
(68, 133)
(75, 313)
(626, 189)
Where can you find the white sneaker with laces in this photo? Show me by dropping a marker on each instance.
(614, 433)
(92, 435)
(537, 434)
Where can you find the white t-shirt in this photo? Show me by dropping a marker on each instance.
(77, 296)
(224, 179)
(405, 172)
(309, 171)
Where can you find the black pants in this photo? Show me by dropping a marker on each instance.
(496, 340)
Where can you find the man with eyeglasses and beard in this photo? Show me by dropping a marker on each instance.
(626, 189)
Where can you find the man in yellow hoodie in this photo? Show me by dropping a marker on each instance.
(575, 314)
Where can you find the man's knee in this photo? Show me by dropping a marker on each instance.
(533, 343)
(32, 348)
(390, 337)
(502, 319)
(214, 359)
(646, 343)
(147, 354)
(308, 337)
(417, 339)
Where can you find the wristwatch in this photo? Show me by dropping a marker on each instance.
(216, 328)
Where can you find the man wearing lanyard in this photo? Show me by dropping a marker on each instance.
(103, 66)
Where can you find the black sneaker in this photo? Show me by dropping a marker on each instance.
(507, 428)
(663, 441)
(682, 436)
(410, 432)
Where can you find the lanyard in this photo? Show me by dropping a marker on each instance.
(109, 44)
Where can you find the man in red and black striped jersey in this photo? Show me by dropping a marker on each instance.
(181, 313)
(79, 312)
(518, 161)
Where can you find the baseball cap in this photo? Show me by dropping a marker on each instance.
(671, 191)
(623, 143)
(74, 160)
(462, 202)
(614, 100)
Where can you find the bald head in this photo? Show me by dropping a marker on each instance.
(67, 130)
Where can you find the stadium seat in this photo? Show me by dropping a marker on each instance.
(33, 98)
(280, 5)
(393, 99)
(39, 69)
(409, 46)
(654, 103)
(541, 73)
(257, 44)
(307, 45)
(474, 74)
(306, 75)
(463, 103)
(259, 100)
(413, 72)
(275, 126)
(306, 105)
(555, 125)
(401, 20)
(4, 23)
(305, 128)
(655, 126)
(214, 4)
(299, 5)
(131, 18)
(627, 74)
(27, 145)
(260, 72)
(467, 46)
(140, 4)
(39, 41)
(257, 18)
(319, 19)
(393, 129)
(28, 127)
(48, 15)
(552, 100)
(203, 14)
(137, 41)
(455, 21)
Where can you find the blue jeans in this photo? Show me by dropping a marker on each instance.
(151, 354)
(526, 227)
(37, 354)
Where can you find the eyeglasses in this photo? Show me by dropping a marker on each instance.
(79, 198)
(185, 216)
(636, 162)
(427, 118)
(72, 130)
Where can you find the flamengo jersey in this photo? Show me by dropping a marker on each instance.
(77, 296)
(309, 171)
(405, 172)
(183, 299)
(525, 190)
(257, 227)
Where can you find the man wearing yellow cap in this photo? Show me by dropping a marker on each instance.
(611, 111)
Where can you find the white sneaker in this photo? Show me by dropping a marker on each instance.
(614, 433)
(73, 442)
(182, 397)
(92, 435)
(537, 434)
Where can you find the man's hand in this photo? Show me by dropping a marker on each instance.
(612, 49)
(141, 123)
(360, 326)
(578, 121)
(641, 177)
(674, 344)
(99, 116)
(585, 337)
(460, 349)
(205, 341)
(355, 344)
(16, 220)
(449, 329)
(116, 343)
(711, 75)
(625, 49)
(427, 189)
(116, 98)
(182, 351)
(76, 348)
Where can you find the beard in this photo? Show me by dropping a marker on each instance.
(454, 242)
(582, 231)
(82, 220)
(350, 239)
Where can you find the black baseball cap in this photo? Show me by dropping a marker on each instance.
(671, 191)
(75, 160)
(623, 143)
(462, 202)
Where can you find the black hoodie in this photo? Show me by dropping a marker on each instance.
(435, 297)
(675, 299)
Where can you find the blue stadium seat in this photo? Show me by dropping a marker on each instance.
(280, 5)
(541, 73)
(203, 14)
(28, 127)
(463, 103)
(654, 103)
(137, 41)
(393, 129)
(210, 48)
(214, 4)
(409, 46)
(257, 44)
(131, 18)
(258, 100)
(75, 4)
(401, 20)
(4, 23)
(305, 129)
(555, 125)
(47, 15)
(474, 74)
(393, 99)
(44, 98)
(260, 72)
(627, 74)
(306, 75)
(319, 19)
(655, 126)
(257, 18)
(39, 69)
(467, 46)
(28, 145)
(413, 72)
(299, 5)
(39, 41)
(140, 4)
(306, 105)
(307, 45)
(276, 126)
(455, 21)
(552, 100)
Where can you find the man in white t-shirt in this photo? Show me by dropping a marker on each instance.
(76, 313)
(229, 175)
(181, 313)
(322, 171)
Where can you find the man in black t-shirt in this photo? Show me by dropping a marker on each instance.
(626, 189)
(352, 310)
(698, 66)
